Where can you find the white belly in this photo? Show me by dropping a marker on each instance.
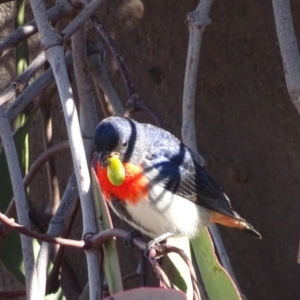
(171, 213)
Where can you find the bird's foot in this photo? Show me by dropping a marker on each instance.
(156, 241)
(130, 236)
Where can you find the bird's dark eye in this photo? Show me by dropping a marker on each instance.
(124, 144)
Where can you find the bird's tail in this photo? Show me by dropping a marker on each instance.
(236, 222)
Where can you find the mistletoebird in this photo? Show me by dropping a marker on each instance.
(156, 183)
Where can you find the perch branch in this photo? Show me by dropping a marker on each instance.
(96, 241)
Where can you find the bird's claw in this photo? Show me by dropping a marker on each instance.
(156, 242)
(130, 236)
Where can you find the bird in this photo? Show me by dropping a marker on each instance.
(156, 183)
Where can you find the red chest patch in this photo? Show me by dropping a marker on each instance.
(134, 187)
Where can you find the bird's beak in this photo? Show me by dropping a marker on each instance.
(104, 157)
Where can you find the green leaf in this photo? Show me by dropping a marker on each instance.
(11, 252)
(176, 269)
(111, 259)
(217, 282)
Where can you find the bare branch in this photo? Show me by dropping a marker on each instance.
(88, 11)
(19, 84)
(56, 227)
(134, 102)
(22, 82)
(288, 48)
(51, 42)
(55, 13)
(33, 90)
(21, 204)
(113, 48)
(185, 258)
(96, 56)
(196, 22)
(86, 91)
(25, 232)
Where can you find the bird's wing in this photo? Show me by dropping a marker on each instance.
(175, 167)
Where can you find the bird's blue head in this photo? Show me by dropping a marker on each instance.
(121, 136)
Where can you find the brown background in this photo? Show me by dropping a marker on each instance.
(245, 121)
(247, 127)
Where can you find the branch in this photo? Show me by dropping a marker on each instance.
(134, 102)
(197, 22)
(56, 228)
(52, 44)
(113, 48)
(288, 48)
(42, 159)
(21, 204)
(20, 83)
(54, 14)
(86, 91)
(25, 232)
(96, 57)
(33, 90)
(66, 34)
(289, 53)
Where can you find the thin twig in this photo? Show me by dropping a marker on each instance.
(39, 236)
(96, 57)
(134, 102)
(113, 48)
(185, 258)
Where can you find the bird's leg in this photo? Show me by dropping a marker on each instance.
(130, 236)
(157, 241)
